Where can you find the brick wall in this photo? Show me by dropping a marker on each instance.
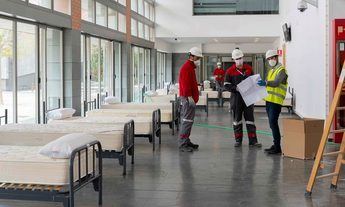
(76, 14)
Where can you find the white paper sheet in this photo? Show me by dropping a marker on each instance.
(250, 91)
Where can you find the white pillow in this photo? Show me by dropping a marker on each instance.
(63, 147)
(62, 113)
(111, 100)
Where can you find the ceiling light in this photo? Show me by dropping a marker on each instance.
(256, 39)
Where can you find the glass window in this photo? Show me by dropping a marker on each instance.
(63, 6)
(26, 72)
(112, 19)
(152, 34)
(134, 5)
(43, 3)
(152, 13)
(147, 10)
(54, 68)
(147, 32)
(141, 30)
(122, 23)
(141, 7)
(6, 69)
(217, 7)
(87, 10)
(106, 72)
(117, 63)
(134, 27)
(101, 14)
(147, 70)
(94, 69)
(123, 2)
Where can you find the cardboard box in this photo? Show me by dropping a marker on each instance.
(302, 137)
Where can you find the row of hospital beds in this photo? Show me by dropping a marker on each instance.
(115, 127)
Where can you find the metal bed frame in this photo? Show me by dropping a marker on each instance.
(4, 117)
(156, 123)
(64, 194)
(128, 139)
(156, 129)
(128, 147)
(46, 111)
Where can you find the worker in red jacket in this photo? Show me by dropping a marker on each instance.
(189, 96)
(219, 75)
(233, 76)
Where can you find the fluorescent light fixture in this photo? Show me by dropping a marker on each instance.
(216, 40)
(257, 39)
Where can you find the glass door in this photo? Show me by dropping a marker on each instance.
(27, 74)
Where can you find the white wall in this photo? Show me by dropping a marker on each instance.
(306, 60)
(163, 46)
(174, 18)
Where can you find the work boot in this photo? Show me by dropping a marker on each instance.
(255, 144)
(238, 142)
(275, 151)
(185, 148)
(269, 149)
(192, 145)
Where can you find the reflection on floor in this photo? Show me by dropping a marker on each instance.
(216, 175)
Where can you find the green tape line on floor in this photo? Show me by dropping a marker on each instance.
(230, 129)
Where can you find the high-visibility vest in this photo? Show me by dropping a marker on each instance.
(276, 94)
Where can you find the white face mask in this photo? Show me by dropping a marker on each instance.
(197, 63)
(219, 66)
(272, 62)
(239, 62)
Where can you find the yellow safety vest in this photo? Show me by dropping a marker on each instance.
(276, 94)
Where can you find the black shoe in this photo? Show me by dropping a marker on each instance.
(192, 145)
(255, 144)
(238, 144)
(275, 151)
(185, 148)
(269, 149)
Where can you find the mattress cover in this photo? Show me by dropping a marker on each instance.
(166, 115)
(152, 106)
(211, 94)
(202, 101)
(142, 126)
(37, 135)
(23, 164)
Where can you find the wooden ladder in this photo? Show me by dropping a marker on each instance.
(327, 130)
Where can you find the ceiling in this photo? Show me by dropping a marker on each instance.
(204, 40)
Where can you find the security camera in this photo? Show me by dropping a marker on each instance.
(302, 6)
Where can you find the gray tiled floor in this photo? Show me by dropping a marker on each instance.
(216, 175)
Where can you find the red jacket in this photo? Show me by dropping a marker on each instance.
(220, 73)
(187, 81)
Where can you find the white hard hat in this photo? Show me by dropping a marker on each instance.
(219, 63)
(271, 53)
(237, 53)
(195, 51)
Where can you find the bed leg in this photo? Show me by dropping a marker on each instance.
(173, 128)
(71, 199)
(133, 153)
(124, 160)
(100, 192)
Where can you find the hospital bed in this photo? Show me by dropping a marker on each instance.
(27, 175)
(116, 141)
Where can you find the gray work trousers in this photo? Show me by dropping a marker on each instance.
(187, 120)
